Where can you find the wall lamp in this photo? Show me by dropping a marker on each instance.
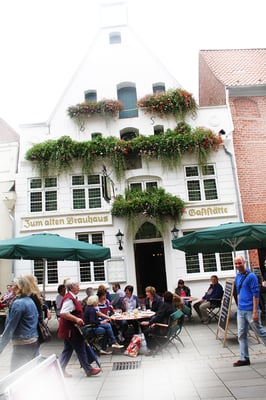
(119, 237)
(174, 232)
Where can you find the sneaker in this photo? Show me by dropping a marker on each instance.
(241, 363)
(105, 352)
(117, 346)
(67, 375)
(93, 371)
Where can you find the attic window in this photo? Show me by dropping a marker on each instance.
(158, 87)
(114, 37)
(90, 95)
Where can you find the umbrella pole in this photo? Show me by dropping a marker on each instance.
(43, 277)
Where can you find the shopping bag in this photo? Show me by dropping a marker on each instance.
(133, 347)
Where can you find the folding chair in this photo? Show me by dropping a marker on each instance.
(90, 350)
(213, 312)
(172, 333)
(94, 339)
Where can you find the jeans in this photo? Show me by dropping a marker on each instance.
(244, 323)
(78, 346)
(22, 354)
(106, 330)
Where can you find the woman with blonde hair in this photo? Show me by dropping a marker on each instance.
(100, 326)
(152, 300)
(21, 325)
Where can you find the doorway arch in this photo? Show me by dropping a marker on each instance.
(149, 259)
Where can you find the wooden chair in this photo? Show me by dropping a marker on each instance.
(172, 331)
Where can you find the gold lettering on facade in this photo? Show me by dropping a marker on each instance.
(28, 223)
(207, 211)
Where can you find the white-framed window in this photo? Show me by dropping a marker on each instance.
(92, 271)
(86, 191)
(201, 263)
(51, 271)
(201, 182)
(212, 262)
(43, 194)
(144, 184)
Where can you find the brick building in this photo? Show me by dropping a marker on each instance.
(238, 78)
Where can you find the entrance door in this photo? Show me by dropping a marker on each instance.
(150, 267)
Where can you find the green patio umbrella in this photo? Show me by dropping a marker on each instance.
(48, 246)
(223, 238)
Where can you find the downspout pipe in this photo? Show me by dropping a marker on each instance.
(11, 217)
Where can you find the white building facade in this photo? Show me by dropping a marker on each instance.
(72, 203)
(9, 152)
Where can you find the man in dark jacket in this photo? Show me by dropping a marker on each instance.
(165, 310)
(213, 296)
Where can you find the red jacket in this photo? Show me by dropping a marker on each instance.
(67, 328)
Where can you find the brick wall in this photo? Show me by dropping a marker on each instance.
(249, 118)
(211, 90)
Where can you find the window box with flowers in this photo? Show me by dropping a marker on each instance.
(153, 203)
(88, 109)
(176, 102)
(60, 155)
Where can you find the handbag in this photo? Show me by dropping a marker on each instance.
(44, 333)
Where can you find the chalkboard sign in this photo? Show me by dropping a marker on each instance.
(226, 306)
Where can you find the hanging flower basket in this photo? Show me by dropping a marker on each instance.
(58, 156)
(154, 203)
(88, 109)
(176, 102)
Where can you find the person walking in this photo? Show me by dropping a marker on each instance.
(247, 296)
(21, 325)
(71, 314)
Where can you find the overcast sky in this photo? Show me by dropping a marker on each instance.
(44, 41)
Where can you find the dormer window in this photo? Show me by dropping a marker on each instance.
(90, 96)
(158, 87)
(114, 37)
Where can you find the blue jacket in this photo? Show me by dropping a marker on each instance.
(249, 289)
(21, 321)
(214, 294)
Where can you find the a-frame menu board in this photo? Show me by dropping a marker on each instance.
(226, 308)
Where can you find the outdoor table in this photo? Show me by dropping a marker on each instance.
(132, 316)
(135, 315)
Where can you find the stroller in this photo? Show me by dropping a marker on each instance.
(90, 352)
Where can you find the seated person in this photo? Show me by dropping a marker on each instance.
(118, 294)
(89, 292)
(128, 303)
(212, 297)
(61, 290)
(104, 305)
(162, 315)
(103, 288)
(152, 301)
(183, 291)
(7, 297)
(99, 326)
